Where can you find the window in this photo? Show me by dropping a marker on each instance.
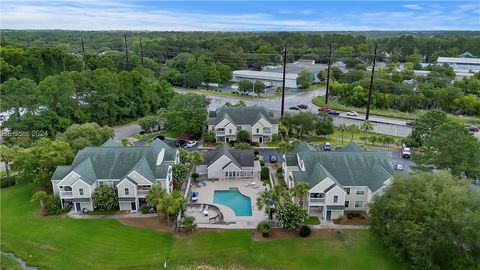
(360, 191)
(358, 204)
(258, 130)
(226, 174)
(127, 191)
(335, 199)
(347, 190)
(230, 131)
(80, 191)
(347, 203)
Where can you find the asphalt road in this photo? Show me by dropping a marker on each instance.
(382, 125)
(126, 131)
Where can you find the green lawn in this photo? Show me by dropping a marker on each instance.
(64, 243)
(8, 263)
(312, 220)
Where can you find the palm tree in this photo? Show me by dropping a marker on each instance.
(154, 195)
(353, 129)
(366, 126)
(272, 199)
(39, 196)
(300, 190)
(171, 204)
(342, 128)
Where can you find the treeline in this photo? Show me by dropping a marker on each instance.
(253, 50)
(102, 96)
(396, 90)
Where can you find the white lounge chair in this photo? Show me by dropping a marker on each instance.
(247, 185)
(205, 212)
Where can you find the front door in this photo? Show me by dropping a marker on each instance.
(329, 215)
(78, 207)
(260, 139)
(227, 139)
(134, 206)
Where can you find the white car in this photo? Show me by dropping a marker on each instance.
(352, 113)
(190, 144)
(399, 167)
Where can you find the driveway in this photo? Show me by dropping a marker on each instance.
(126, 131)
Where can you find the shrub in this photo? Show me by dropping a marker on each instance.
(243, 136)
(195, 176)
(242, 146)
(265, 173)
(145, 209)
(188, 224)
(262, 162)
(341, 219)
(105, 198)
(276, 137)
(6, 182)
(256, 152)
(264, 228)
(349, 215)
(209, 137)
(53, 206)
(279, 170)
(305, 231)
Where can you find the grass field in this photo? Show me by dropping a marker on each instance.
(7, 263)
(63, 243)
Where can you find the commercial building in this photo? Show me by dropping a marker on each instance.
(274, 79)
(460, 64)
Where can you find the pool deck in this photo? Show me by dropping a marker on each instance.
(205, 195)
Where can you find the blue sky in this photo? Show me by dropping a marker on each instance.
(241, 16)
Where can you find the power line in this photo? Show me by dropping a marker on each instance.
(283, 79)
(328, 75)
(126, 49)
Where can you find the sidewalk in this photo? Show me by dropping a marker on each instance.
(76, 215)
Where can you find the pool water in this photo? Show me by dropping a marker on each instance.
(239, 203)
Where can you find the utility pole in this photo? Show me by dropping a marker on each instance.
(126, 49)
(371, 85)
(283, 81)
(83, 46)
(141, 51)
(328, 74)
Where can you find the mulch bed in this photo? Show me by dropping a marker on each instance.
(276, 234)
(353, 221)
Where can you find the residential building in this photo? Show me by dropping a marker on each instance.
(274, 79)
(258, 121)
(229, 164)
(133, 170)
(343, 180)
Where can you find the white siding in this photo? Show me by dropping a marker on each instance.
(126, 184)
(125, 205)
(336, 191)
(215, 169)
(80, 184)
(55, 187)
(320, 187)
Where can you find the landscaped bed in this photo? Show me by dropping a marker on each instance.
(64, 243)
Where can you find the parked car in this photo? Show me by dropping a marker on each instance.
(160, 137)
(333, 112)
(302, 106)
(409, 123)
(399, 167)
(180, 143)
(473, 129)
(191, 144)
(273, 159)
(295, 108)
(406, 152)
(324, 109)
(327, 146)
(143, 132)
(352, 113)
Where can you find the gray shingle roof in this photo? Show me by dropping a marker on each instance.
(113, 161)
(242, 115)
(241, 158)
(357, 168)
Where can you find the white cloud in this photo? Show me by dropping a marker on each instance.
(412, 6)
(88, 15)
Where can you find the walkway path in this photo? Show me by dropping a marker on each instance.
(76, 215)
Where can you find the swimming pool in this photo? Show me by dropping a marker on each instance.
(239, 203)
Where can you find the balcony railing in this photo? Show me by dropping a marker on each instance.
(220, 132)
(317, 200)
(66, 193)
(143, 191)
(267, 131)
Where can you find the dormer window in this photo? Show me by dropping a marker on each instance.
(80, 191)
(127, 191)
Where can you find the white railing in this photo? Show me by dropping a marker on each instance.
(220, 132)
(66, 193)
(317, 200)
(143, 191)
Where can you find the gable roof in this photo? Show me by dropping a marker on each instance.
(351, 147)
(346, 168)
(113, 161)
(242, 115)
(241, 158)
